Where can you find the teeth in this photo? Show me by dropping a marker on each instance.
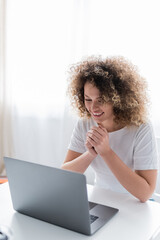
(97, 114)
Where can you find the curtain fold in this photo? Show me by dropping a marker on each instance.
(6, 146)
(1, 84)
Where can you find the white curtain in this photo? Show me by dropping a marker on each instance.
(1, 82)
(5, 100)
(37, 55)
(42, 39)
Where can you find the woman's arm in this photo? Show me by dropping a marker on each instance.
(78, 162)
(140, 183)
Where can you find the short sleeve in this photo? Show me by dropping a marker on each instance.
(77, 142)
(145, 151)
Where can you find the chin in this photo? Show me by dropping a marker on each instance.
(98, 121)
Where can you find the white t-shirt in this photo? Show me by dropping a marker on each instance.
(135, 146)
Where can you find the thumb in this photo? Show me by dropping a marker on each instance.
(100, 125)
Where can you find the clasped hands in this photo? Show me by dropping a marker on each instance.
(97, 141)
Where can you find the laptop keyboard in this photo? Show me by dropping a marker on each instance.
(93, 218)
(92, 205)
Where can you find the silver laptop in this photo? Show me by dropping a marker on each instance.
(54, 195)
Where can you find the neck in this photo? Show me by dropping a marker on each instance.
(111, 127)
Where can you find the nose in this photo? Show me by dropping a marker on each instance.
(94, 106)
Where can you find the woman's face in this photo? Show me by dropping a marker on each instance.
(100, 111)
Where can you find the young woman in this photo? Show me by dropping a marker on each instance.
(113, 134)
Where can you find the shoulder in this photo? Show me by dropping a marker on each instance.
(142, 129)
(145, 129)
(144, 134)
(137, 133)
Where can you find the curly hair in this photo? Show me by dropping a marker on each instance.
(118, 81)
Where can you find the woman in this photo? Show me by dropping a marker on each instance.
(113, 134)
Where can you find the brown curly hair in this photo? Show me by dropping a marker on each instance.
(118, 81)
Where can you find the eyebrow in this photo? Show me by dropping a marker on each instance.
(89, 97)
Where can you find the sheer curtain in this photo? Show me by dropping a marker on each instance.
(42, 39)
(36, 64)
(1, 82)
(5, 100)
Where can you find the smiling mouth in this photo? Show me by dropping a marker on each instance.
(97, 114)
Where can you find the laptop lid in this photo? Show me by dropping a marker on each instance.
(53, 195)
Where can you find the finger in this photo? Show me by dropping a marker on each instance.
(103, 128)
(96, 136)
(91, 148)
(99, 130)
(87, 143)
(92, 142)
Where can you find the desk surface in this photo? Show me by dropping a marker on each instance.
(135, 220)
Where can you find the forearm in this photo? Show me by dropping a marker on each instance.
(79, 164)
(130, 180)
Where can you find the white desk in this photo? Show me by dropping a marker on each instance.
(134, 221)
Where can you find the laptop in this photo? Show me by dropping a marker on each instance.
(55, 196)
